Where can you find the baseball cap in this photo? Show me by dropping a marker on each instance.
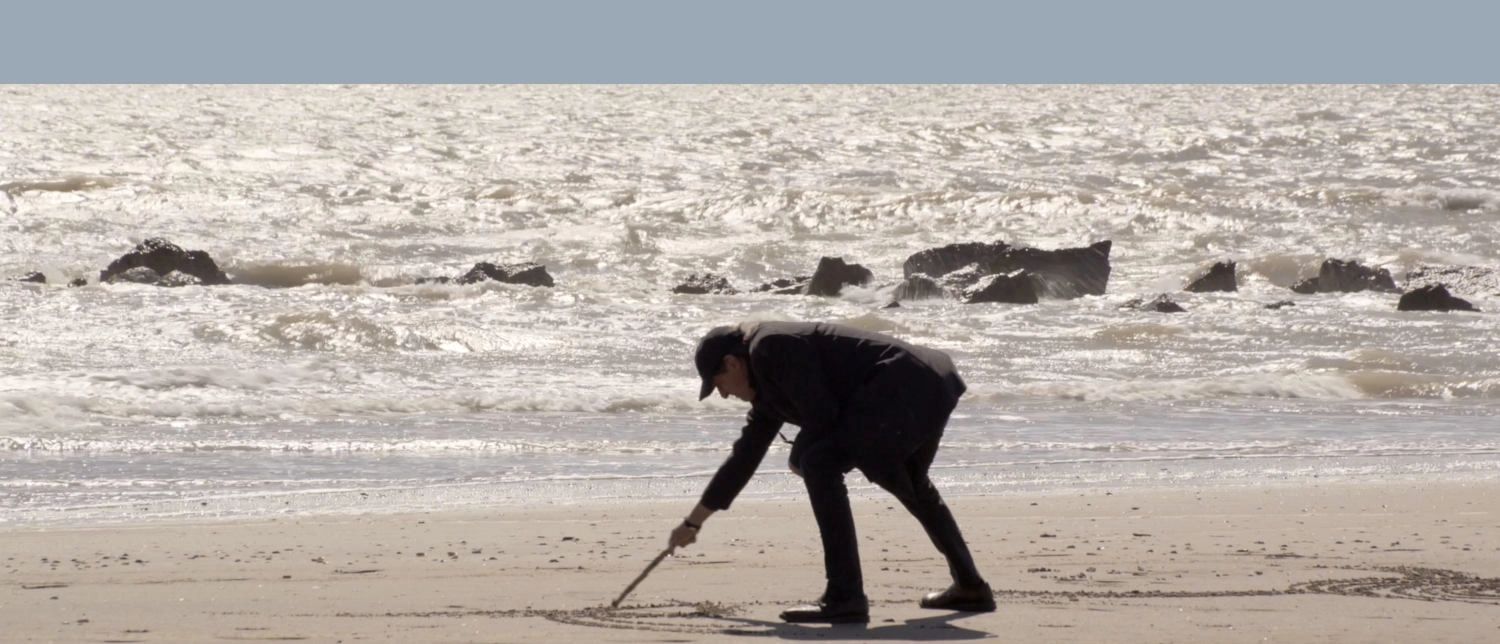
(720, 341)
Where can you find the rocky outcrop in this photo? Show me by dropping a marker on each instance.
(34, 277)
(1340, 276)
(163, 257)
(1160, 304)
(1018, 287)
(527, 273)
(918, 287)
(833, 274)
(1219, 279)
(144, 275)
(1063, 273)
(1432, 298)
(830, 278)
(1276, 306)
(705, 284)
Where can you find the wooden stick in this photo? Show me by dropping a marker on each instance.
(637, 582)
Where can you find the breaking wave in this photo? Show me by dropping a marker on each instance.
(1328, 386)
(74, 183)
(294, 275)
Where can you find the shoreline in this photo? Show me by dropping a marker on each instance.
(956, 480)
(1324, 561)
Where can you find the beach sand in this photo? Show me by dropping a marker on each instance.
(1335, 562)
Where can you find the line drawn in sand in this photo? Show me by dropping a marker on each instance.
(1395, 582)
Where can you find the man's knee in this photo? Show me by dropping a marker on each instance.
(823, 461)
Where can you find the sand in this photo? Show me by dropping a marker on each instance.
(1335, 562)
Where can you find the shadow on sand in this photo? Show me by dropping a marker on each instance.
(930, 629)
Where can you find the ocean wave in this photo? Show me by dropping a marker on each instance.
(335, 446)
(1459, 200)
(1326, 385)
(72, 183)
(1466, 200)
(1319, 115)
(291, 275)
(204, 376)
(1284, 269)
(1136, 334)
(287, 400)
(329, 331)
(973, 447)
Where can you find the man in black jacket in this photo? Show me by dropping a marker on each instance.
(863, 400)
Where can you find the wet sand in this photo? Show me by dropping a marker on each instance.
(1339, 562)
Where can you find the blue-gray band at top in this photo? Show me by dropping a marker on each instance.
(760, 41)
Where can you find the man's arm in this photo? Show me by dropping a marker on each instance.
(732, 476)
(755, 439)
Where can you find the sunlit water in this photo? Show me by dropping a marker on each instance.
(326, 378)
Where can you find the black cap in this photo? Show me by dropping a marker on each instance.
(717, 343)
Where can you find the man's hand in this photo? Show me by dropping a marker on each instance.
(682, 535)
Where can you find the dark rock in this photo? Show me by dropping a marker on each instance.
(705, 284)
(1432, 298)
(1160, 304)
(919, 287)
(163, 257)
(137, 275)
(1220, 278)
(893, 305)
(525, 273)
(1063, 273)
(78, 282)
(941, 261)
(786, 286)
(964, 278)
(832, 275)
(33, 277)
(434, 280)
(1340, 276)
(1280, 305)
(1018, 287)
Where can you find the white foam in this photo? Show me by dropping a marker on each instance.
(622, 192)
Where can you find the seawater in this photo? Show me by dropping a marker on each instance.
(327, 380)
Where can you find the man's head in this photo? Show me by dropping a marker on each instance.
(723, 362)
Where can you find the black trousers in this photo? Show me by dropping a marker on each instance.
(891, 432)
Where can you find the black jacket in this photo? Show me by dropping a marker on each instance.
(807, 374)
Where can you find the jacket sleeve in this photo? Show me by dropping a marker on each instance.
(791, 365)
(746, 456)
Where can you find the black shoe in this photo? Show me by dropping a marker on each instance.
(845, 611)
(971, 599)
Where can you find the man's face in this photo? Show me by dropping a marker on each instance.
(733, 379)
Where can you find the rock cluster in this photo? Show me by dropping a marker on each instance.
(1220, 278)
(1341, 276)
(162, 258)
(1432, 298)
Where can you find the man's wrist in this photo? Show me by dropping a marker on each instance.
(689, 523)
